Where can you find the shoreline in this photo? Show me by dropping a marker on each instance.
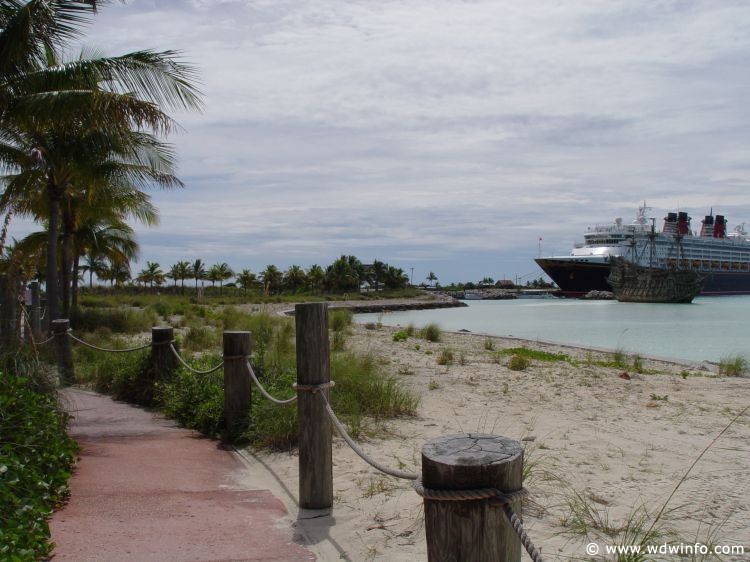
(620, 438)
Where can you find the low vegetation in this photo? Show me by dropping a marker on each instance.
(35, 459)
(733, 366)
(534, 354)
(364, 396)
(518, 362)
(431, 332)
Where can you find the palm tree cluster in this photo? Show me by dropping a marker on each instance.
(80, 142)
(346, 274)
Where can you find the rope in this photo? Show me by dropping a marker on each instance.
(496, 496)
(189, 368)
(92, 346)
(467, 495)
(49, 339)
(515, 522)
(314, 388)
(356, 448)
(264, 392)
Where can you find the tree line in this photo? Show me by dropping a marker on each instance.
(345, 274)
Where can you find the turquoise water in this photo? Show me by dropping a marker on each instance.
(710, 328)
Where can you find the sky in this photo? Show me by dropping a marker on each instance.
(445, 136)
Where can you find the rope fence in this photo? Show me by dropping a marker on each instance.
(264, 392)
(357, 449)
(105, 349)
(191, 369)
(462, 513)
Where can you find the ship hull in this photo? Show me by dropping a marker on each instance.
(576, 278)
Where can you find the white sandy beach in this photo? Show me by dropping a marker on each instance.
(618, 443)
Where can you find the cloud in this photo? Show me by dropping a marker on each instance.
(442, 130)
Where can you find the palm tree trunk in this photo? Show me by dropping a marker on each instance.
(76, 269)
(4, 234)
(52, 236)
(66, 258)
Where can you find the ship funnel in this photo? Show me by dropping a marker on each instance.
(670, 223)
(720, 228)
(683, 224)
(707, 229)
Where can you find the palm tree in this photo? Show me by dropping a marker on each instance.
(56, 119)
(345, 274)
(94, 264)
(103, 238)
(431, 278)
(198, 271)
(213, 274)
(223, 272)
(271, 277)
(378, 271)
(183, 272)
(173, 274)
(294, 277)
(246, 279)
(395, 278)
(116, 273)
(315, 277)
(151, 274)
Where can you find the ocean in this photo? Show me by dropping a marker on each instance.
(709, 329)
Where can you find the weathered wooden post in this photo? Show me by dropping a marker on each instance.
(237, 384)
(35, 317)
(163, 360)
(64, 351)
(475, 530)
(313, 368)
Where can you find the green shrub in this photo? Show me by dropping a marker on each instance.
(338, 341)
(535, 354)
(196, 401)
(109, 373)
(733, 366)
(400, 336)
(118, 320)
(362, 393)
(340, 319)
(638, 364)
(445, 357)
(518, 363)
(201, 338)
(35, 460)
(410, 330)
(489, 344)
(431, 332)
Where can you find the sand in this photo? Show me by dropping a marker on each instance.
(592, 435)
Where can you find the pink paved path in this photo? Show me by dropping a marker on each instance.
(146, 490)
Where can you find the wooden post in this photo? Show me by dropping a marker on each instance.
(162, 358)
(313, 367)
(36, 314)
(64, 350)
(475, 530)
(237, 384)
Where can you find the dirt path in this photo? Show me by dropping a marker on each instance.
(144, 490)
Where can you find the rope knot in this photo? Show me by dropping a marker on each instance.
(314, 388)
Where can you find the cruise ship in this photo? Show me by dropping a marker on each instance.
(720, 256)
